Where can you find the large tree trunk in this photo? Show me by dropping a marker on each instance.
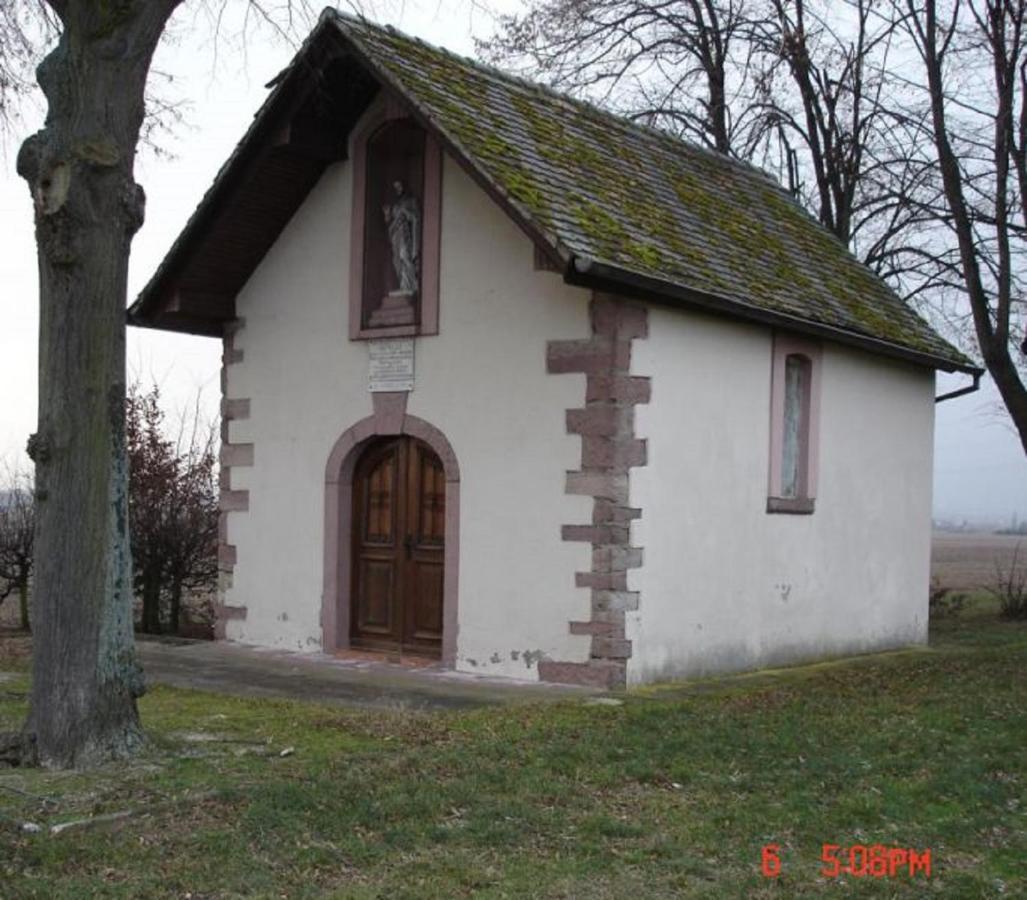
(1010, 386)
(175, 613)
(80, 171)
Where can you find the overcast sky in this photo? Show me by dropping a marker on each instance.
(980, 468)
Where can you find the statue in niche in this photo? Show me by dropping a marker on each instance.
(403, 220)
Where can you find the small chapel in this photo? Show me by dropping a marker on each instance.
(526, 389)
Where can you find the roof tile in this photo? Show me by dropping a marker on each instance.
(601, 187)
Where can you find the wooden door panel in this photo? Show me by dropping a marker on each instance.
(376, 601)
(379, 521)
(375, 589)
(431, 507)
(426, 624)
(399, 528)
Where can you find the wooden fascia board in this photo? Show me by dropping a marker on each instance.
(201, 304)
(182, 324)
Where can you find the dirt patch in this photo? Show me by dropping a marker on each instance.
(968, 561)
(15, 650)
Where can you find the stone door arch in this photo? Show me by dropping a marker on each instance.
(390, 419)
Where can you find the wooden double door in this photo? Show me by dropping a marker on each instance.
(399, 534)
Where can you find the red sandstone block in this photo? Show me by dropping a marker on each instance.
(616, 559)
(632, 321)
(594, 628)
(618, 388)
(578, 356)
(615, 601)
(605, 318)
(235, 409)
(621, 356)
(613, 617)
(231, 612)
(610, 648)
(236, 455)
(234, 501)
(226, 555)
(597, 673)
(608, 485)
(221, 616)
(604, 581)
(620, 535)
(614, 316)
(606, 512)
(591, 534)
(601, 420)
(614, 453)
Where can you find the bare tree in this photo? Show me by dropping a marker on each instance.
(152, 470)
(79, 170)
(17, 527)
(977, 129)
(173, 510)
(679, 64)
(822, 71)
(193, 537)
(796, 86)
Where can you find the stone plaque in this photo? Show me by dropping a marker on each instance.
(391, 365)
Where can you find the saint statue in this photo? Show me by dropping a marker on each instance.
(403, 219)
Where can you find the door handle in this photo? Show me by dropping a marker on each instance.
(408, 543)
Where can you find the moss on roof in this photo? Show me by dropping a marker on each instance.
(639, 200)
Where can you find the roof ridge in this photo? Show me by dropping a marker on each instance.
(620, 119)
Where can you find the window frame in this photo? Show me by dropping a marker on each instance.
(804, 501)
(383, 111)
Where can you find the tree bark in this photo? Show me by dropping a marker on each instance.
(79, 169)
(175, 613)
(991, 330)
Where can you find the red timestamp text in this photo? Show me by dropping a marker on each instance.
(858, 861)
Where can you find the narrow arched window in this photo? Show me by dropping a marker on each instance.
(795, 442)
(793, 434)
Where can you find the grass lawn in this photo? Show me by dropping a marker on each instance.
(672, 793)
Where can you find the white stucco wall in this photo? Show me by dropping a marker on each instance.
(724, 585)
(482, 381)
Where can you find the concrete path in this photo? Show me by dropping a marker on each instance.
(257, 672)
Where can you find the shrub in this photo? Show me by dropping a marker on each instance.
(943, 601)
(1010, 587)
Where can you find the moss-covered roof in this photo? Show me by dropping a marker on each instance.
(600, 189)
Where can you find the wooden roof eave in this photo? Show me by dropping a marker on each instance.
(151, 307)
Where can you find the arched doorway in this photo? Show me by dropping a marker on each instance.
(398, 547)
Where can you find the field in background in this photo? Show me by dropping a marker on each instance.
(967, 561)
